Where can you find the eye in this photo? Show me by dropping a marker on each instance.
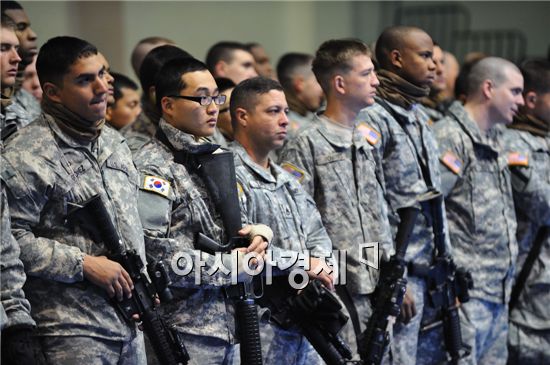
(22, 26)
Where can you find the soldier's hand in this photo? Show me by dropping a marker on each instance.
(317, 272)
(408, 308)
(258, 244)
(109, 275)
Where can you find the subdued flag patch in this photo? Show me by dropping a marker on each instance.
(156, 185)
(240, 189)
(368, 133)
(517, 159)
(452, 162)
(294, 171)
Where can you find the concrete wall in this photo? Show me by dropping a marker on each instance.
(281, 27)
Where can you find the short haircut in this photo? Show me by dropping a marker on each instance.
(138, 56)
(489, 68)
(334, 56)
(153, 62)
(536, 76)
(291, 64)
(392, 38)
(169, 80)
(224, 84)
(246, 93)
(7, 22)
(223, 51)
(58, 54)
(122, 81)
(10, 5)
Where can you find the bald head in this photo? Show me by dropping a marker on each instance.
(394, 38)
(144, 47)
(494, 69)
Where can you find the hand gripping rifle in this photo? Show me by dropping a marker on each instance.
(315, 311)
(388, 295)
(446, 283)
(217, 171)
(167, 343)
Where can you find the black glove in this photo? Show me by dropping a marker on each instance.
(20, 347)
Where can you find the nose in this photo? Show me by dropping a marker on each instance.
(32, 35)
(101, 86)
(284, 120)
(14, 56)
(521, 101)
(431, 64)
(375, 81)
(212, 109)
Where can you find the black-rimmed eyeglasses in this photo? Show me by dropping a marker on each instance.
(202, 100)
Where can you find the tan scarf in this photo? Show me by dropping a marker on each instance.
(399, 91)
(71, 123)
(531, 124)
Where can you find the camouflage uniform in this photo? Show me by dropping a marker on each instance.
(142, 129)
(298, 116)
(337, 168)
(219, 138)
(45, 171)
(482, 225)
(28, 102)
(170, 219)
(397, 150)
(274, 197)
(14, 117)
(529, 337)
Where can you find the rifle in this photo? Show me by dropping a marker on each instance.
(166, 342)
(445, 282)
(317, 313)
(388, 295)
(217, 171)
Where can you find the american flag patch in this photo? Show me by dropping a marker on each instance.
(156, 185)
(294, 171)
(450, 160)
(368, 133)
(517, 159)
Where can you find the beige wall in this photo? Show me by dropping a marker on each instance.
(281, 27)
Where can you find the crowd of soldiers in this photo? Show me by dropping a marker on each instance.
(321, 161)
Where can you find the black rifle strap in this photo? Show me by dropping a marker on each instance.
(534, 252)
(347, 299)
(421, 155)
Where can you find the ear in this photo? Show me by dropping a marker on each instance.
(52, 91)
(241, 116)
(487, 88)
(152, 94)
(530, 100)
(167, 105)
(219, 69)
(298, 84)
(395, 59)
(339, 84)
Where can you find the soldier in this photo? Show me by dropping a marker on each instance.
(126, 105)
(231, 60)
(175, 206)
(145, 126)
(478, 193)
(527, 144)
(333, 160)
(272, 196)
(16, 323)
(302, 91)
(64, 158)
(435, 103)
(262, 63)
(31, 82)
(142, 49)
(27, 51)
(224, 130)
(407, 158)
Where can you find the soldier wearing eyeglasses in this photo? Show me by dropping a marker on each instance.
(175, 205)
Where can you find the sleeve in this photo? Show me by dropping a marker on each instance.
(41, 256)
(297, 159)
(317, 239)
(14, 303)
(453, 158)
(169, 222)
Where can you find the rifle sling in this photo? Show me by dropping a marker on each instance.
(347, 299)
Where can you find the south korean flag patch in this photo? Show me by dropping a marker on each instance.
(156, 185)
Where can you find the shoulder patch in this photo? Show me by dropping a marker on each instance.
(294, 171)
(450, 160)
(293, 126)
(156, 185)
(240, 189)
(517, 159)
(368, 133)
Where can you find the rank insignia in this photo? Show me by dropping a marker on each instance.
(156, 185)
(450, 160)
